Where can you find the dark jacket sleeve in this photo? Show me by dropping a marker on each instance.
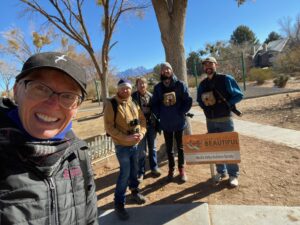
(155, 101)
(199, 93)
(234, 90)
(135, 97)
(187, 100)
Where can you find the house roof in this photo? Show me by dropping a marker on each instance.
(276, 46)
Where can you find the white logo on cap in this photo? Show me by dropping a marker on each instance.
(60, 58)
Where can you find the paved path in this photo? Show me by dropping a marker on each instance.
(204, 214)
(273, 134)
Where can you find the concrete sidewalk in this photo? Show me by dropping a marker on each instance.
(203, 214)
(269, 133)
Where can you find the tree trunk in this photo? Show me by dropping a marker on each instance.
(170, 15)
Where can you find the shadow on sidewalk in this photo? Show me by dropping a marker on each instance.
(193, 213)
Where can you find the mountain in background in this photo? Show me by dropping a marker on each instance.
(134, 72)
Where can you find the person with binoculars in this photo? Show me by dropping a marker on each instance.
(127, 127)
(217, 95)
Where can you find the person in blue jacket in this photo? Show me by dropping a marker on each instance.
(217, 95)
(170, 102)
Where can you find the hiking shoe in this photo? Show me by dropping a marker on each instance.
(233, 181)
(121, 212)
(171, 174)
(182, 175)
(138, 198)
(156, 172)
(140, 178)
(218, 177)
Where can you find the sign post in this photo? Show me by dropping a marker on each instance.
(212, 148)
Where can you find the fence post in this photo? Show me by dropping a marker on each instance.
(195, 72)
(243, 69)
(97, 90)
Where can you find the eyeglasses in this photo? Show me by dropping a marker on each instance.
(39, 91)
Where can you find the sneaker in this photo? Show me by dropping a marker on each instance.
(218, 178)
(182, 175)
(171, 174)
(138, 198)
(121, 212)
(233, 181)
(140, 178)
(156, 172)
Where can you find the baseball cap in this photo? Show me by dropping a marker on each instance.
(124, 83)
(210, 59)
(55, 60)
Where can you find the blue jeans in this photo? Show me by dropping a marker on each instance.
(150, 140)
(218, 127)
(128, 160)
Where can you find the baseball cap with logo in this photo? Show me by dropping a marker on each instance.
(55, 60)
(210, 59)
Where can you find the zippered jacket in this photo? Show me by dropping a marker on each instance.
(119, 126)
(223, 87)
(39, 189)
(172, 118)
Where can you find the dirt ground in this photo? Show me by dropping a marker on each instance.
(269, 173)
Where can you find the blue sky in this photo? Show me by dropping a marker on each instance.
(139, 41)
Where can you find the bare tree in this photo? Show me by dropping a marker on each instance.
(7, 74)
(17, 46)
(292, 31)
(67, 16)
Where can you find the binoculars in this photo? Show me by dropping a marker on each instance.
(134, 131)
(134, 122)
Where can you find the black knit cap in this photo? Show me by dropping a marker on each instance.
(124, 82)
(55, 60)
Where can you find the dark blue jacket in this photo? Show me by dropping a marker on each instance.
(223, 87)
(172, 118)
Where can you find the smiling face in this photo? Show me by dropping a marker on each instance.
(43, 119)
(124, 92)
(210, 68)
(141, 85)
(166, 71)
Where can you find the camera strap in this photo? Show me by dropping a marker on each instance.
(222, 97)
(213, 88)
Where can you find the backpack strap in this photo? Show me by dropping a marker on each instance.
(114, 104)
